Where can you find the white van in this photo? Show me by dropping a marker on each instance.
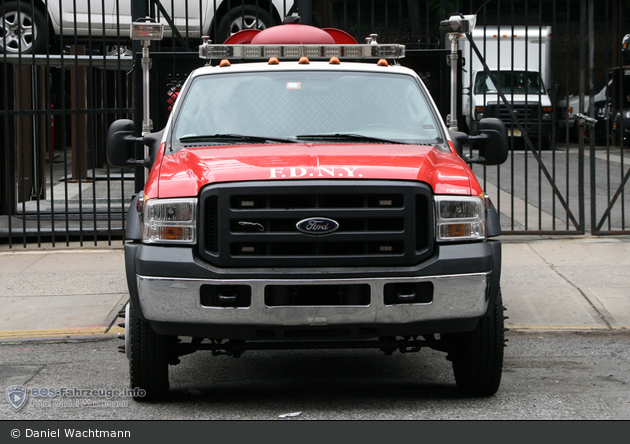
(518, 58)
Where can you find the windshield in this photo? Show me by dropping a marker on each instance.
(292, 105)
(511, 82)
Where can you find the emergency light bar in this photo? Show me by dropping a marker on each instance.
(313, 52)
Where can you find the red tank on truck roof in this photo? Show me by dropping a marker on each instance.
(291, 33)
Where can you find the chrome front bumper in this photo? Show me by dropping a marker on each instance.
(177, 300)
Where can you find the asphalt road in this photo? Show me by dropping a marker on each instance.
(547, 376)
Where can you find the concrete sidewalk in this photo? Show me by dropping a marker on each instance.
(578, 283)
(61, 292)
(567, 284)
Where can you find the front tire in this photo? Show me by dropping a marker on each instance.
(148, 359)
(22, 29)
(477, 356)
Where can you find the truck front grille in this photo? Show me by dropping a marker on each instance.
(527, 115)
(254, 224)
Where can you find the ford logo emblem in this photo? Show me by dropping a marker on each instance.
(317, 225)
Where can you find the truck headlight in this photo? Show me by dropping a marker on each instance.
(170, 221)
(460, 218)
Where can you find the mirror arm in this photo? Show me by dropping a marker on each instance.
(478, 137)
(144, 162)
(131, 138)
(131, 161)
(470, 160)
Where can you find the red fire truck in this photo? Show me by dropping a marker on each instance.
(306, 194)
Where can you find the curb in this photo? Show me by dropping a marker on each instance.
(100, 333)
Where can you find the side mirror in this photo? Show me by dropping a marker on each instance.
(121, 142)
(492, 140)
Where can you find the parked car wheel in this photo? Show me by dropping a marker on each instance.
(22, 29)
(241, 18)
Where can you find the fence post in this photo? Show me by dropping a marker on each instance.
(80, 135)
(25, 171)
(139, 9)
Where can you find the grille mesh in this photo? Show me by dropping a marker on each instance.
(211, 225)
(255, 224)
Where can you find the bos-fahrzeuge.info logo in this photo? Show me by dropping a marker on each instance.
(17, 396)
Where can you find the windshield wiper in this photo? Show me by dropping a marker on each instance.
(348, 136)
(232, 137)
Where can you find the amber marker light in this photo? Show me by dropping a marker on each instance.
(175, 233)
(455, 231)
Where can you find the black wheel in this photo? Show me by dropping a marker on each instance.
(22, 29)
(148, 358)
(477, 356)
(243, 17)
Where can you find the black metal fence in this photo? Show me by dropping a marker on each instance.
(68, 69)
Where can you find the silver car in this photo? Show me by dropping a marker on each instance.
(29, 27)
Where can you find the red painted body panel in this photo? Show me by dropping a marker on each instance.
(184, 173)
(151, 186)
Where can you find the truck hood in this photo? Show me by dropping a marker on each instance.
(184, 173)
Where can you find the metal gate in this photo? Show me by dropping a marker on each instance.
(547, 186)
(64, 85)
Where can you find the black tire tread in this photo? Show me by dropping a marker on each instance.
(478, 355)
(148, 359)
